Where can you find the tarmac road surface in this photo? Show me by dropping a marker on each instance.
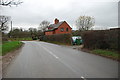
(46, 60)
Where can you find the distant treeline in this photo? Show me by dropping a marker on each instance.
(20, 33)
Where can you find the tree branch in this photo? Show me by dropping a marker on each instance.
(10, 2)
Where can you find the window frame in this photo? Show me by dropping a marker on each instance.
(61, 29)
(67, 29)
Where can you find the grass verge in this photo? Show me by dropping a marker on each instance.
(10, 46)
(0, 49)
(106, 53)
(20, 39)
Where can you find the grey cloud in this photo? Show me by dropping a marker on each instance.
(31, 14)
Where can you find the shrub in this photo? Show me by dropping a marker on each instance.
(34, 38)
(101, 39)
(60, 38)
(4, 39)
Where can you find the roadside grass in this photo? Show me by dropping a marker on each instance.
(9, 46)
(106, 53)
(20, 39)
(0, 49)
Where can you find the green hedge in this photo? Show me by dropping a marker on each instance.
(101, 39)
(58, 38)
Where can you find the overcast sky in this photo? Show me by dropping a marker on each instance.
(31, 12)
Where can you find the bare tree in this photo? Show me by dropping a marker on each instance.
(10, 2)
(32, 30)
(4, 23)
(43, 25)
(85, 23)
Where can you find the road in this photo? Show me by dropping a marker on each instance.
(46, 60)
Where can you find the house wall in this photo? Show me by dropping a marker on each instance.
(58, 31)
(49, 33)
(64, 26)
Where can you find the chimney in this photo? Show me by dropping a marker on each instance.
(56, 21)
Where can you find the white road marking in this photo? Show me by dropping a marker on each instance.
(83, 78)
(50, 52)
(59, 59)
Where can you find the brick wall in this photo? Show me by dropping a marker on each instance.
(64, 26)
(49, 33)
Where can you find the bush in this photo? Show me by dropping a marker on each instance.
(34, 38)
(60, 38)
(101, 39)
(4, 39)
(77, 33)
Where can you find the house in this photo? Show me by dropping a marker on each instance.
(58, 28)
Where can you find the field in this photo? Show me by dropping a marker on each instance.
(9, 46)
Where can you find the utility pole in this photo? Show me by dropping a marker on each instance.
(11, 30)
(11, 26)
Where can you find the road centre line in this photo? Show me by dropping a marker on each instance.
(60, 59)
(83, 78)
(50, 52)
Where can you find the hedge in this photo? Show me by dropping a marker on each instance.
(101, 39)
(60, 38)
